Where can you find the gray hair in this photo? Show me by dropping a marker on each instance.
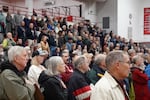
(136, 58)
(14, 51)
(99, 58)
(79, 61)
(130, 51)
(65, 51)
(52, 64)
(113, 57)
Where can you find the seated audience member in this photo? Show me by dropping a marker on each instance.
(98, 68)
(50, 81)
(69, 68)
(140, 79)
(13, 83)
(111, 86)
(44, 44)
(2, 55)
(57, 52)
(36, 68)
(78, 87)
(8, 41)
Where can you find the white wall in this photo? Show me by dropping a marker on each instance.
(136, 8)
(108, 9)
(117, 10)
(39, 4)
(143, 4)
(125, 9)
(89, 11)
(14, 5)
(29, 4)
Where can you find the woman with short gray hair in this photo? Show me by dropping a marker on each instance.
(52, 64)
(50, 81)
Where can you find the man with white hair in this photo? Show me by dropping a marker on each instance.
(12, 77)
(78, 87)
(8, 42)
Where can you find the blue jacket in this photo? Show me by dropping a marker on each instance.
(147, 71)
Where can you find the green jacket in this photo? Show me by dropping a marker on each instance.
(13, 87)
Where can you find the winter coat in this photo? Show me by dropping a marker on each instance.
(140, 83)
(51, 87)
(147, 72)
(107, 88)
(78, 87)
(95, 73)
(12, 84)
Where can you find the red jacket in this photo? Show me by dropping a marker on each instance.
(140, 83)
(66, 75)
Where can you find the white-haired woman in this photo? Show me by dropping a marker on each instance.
(50, 81)
(12, 80)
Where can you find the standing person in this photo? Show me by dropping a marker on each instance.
(9, 23)
(78, 86)
(27, 21)
(21, 34)
(2, 22)
(50, 81)
(111, 86)
(98, 68)
(31, 36)
(140, 79)
(12, 77)
(17, 20)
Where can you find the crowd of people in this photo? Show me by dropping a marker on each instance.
(69, 62)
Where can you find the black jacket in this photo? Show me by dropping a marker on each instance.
(52, 87)
(8, 65)
(78, 84)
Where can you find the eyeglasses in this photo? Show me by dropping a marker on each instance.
(126, 62)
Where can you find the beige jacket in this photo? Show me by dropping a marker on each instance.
(107, 89)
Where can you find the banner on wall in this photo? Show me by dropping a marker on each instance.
(147, 21)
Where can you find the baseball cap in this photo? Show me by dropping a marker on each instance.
(39, 52)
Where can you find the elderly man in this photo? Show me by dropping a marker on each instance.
(9, 41)
(78, 87)
(111, 86)
(12, 79)
(98, 68)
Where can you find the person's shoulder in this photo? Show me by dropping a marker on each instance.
(105, 80)
(33, 68)
(91, 72)
(53, 80)
(9, 74)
